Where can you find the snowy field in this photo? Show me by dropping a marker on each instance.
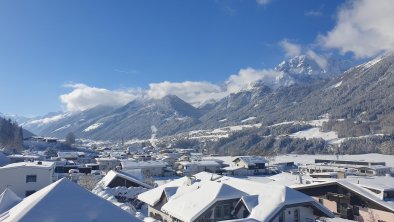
(305, 159)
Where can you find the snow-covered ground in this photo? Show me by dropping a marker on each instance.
(315, 133)
(220, 132)
(62, 128)
(93, 127)
(47, 120)
(248, 119)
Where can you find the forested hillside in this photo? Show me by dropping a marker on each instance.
(11, 136)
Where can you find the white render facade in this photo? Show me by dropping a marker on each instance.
(25, 178)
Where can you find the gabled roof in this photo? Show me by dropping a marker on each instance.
(367, 194)
(65, 201)
(111, 175)
(251, 160)
(250, 201)
(8, 199)
(190, 202)
(152, 197)
(356, 188)
(273, 199)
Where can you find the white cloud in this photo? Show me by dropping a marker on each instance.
(246, 77)
(84, 97)
(364, 27)
(193, 92)
(263, 2)
(291, 49)
(197, 93)
(320, 60)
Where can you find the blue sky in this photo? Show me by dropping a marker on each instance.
(126, 45)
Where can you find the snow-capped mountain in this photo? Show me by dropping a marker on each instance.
(16, 118)
(137, 119)
(365, 91)
(305, 68)
(362, 90)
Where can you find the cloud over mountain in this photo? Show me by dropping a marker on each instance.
(84, 97)
(363, 27)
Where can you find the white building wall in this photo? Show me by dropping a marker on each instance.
(15, 179)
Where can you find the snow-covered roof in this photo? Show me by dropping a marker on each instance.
(152, 197)
(189, 202)
(251, 160)
(35, 164)
(8, 199)
(111, 175)
(367, 194)
(381, 183)
(65, 201)
(200, 163)
(273, 199)
(107, 159)
(288, 179)
(250, 201)
(70, 154)
(130, 164)
(364, 192)
(232, 168)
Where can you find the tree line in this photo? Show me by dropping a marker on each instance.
(11, 136)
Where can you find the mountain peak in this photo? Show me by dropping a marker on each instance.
(313, 66)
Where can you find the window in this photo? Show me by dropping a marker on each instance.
(218, 212)
(31, 178)
(29, 192)
(356, 211)
(226, 210)
(342, 208)
(296, 215)
(282, 217)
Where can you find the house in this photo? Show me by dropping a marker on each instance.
(374, 170)
(15, 158)
(362, 199)
(149, 168)
(185, 168)
(361, 168)
(247, 165)
(349, 162)
(8, 199)
(211, 197)
(280, 203)
(121, 179)
(25, 178)
(107, 163)
(65, 201)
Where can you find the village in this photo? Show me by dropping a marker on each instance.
(121, 183)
